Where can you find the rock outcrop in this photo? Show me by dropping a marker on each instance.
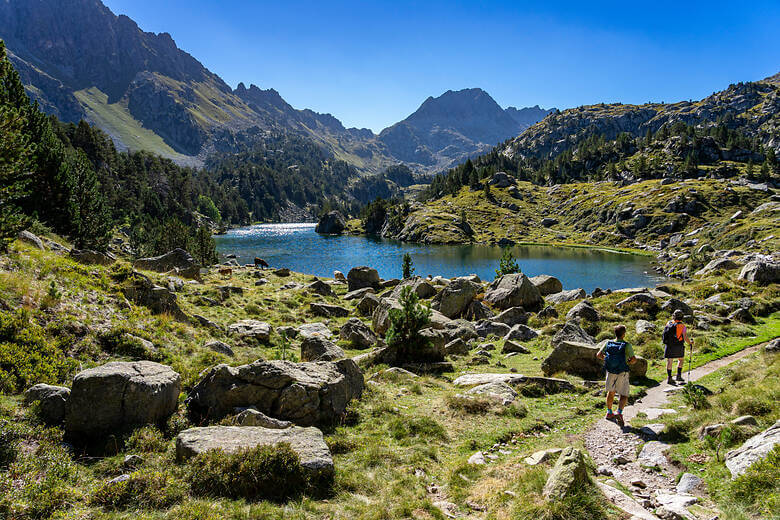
(306, 393)
(179, 261)
(53, 401)
(569, 475)
(761, 272)
(580, 359)
(331, 223)
(514, 290)
(753, 450)
(318, 348)
(119, 396)
(360, 277)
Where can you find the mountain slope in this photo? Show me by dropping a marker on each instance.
(453, 126)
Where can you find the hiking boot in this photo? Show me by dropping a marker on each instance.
(680, 379)
(610, 416)
(619, 419)
(670, 381)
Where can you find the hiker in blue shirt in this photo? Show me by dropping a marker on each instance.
(617, 354)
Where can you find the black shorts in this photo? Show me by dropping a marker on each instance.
(674, 351)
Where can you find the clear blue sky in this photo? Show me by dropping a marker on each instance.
(372, 63)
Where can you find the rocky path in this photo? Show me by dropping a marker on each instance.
(646, 472)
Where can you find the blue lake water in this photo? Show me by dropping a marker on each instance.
(299, 248)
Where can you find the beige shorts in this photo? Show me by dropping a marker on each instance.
(618, 383)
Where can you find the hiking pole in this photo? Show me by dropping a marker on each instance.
(690, 362)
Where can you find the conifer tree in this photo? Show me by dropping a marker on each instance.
(90, 222)
(407, 266)
(203, 247)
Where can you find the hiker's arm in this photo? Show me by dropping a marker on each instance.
(687, 338)
(632, 360)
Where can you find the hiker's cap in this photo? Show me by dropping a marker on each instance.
(678, 314)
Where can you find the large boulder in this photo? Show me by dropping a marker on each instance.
(456, 297)
(642, 299)
(753, 450)
(547, 284)
(320, 287)
(367, 304)
(308, 443)
(580, 359)
(87, 256)
(357, 333)
(572, 332)
(583, 310)
(305, 393)
(119, 396)
(514, 290)
(501, 180)
(53, 401)
(332, 223)
(380, 318)
(719, 264)
(566, 296)
(422, 288)
(31, 239)
(318, 348)
(477, 311)
(760, 272)
(673, 304)
(569, 475)
(328, 311)
(486, 328)
(178, 260)
(363, 276)
(251, 330)
(521, 332)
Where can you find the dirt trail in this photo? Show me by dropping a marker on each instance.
(607, 442)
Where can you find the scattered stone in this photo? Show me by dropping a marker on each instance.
(547, 284)
(308, 443)
(645, 327)
(655, 413)
(367, 304)
(761, 272)
(742, 315)
(132, 461)
(455, 298)
(477, 311)
(328, 311)
(514, 290)
(569, 474)
(363, 276)
(31, 239)
(358, 294)
(653, 454)
(118, 396)
(541, 456)
(719, 264)
(89, 257)
(251, 329)
(689, 483)
(583, 310)
(673, 304)
(320, 287)
(653, 430)
(745, 420)
(282, 272)
(158, 299)
(501, 392)
(456, 347)
(252, 417)
(753, 450)
(220, 347)
(319, 348)
(304, 393)
(514, 347)
(547, 312)
(644, 299)
(178, 261)
(488, 328)
(512, 316)
(53, 401)
(639, 483)
(357, 333)
(481, 379)
(308, 330)
(566, 296)
(478, 459)
(521, 333)
(421, 287)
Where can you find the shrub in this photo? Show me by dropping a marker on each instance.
(417, 427)
(260, 473)
(145, 489)
(27, 357)
(752, 405)
(507, 264)
(120, 341)
(758, 489)
(473, 405)
(651, 350)
(694, 397)
(406, 323)
(146, 440)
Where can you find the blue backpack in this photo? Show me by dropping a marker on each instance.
(615, 357)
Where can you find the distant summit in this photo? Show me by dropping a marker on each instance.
(455, 125)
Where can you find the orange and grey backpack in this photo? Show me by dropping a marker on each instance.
(673, 334)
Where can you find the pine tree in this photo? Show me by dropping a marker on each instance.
(203, 247)
(507, 264)
(407, 266)
(89, 221)
(15, 151)
(405, 325)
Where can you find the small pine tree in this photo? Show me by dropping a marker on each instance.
(203, 247)
(406, 324)
(407, 266)
(507, 264)
(90, 223)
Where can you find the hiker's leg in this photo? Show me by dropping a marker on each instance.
(610, 398)
(669, 362)
(680, 362)
(623, 402)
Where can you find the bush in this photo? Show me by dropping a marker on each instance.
(120, 341)
(260, 473)
(472, 405)
(694, 397)
(145, 489)
(507, 264)
(419, 427)
(146, 440)
(27, 357)
(752, 405)
(758, 489)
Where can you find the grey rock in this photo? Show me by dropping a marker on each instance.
(421, 287)
(514, 290)
(456, 347)
(252, 417)
(158, 299)
(328, 311)
(572, 333)
(304, 393)
(89, 257)
(477, 311)
(566, 296)
(742, 315)
(251, 329)
(357, 333)
(31, 239)
(547, 284)
(118, 396)
(689, 483)
(455, 298)
(308, 443)
(331, 223)
(652, 454)
(569, 475)
(580, 359)
(308, 330)
(745, 420)
(363, 276)
(761, 272)
(512, 316)
(220, 347)
(282, 272)
(367, 304)
(583, 310)
(645, 327)
(644, 299)
(318, 348)
(53, 401)
(673, 304)
(358, 294)
(501, 392)
(501, 180)
(178, 261)
(512, 346)
(487, 328)
(521, 333)
(719, 264)
(547, 312)
(754, 449)
(548, 222)
(320, 287)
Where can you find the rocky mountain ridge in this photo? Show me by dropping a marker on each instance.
(79, 60)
